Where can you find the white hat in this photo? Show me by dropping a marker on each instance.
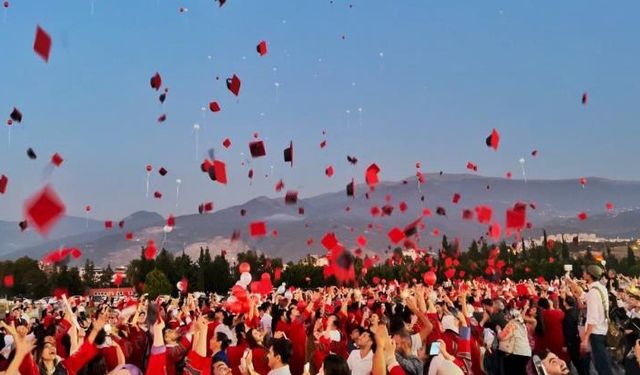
(449, 323)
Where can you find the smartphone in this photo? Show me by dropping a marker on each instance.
(435, 348)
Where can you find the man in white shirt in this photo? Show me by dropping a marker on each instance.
(595, 333)
(265, 321)
(360, 360)
(278, 357)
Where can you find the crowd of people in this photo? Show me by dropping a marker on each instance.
(561, 326)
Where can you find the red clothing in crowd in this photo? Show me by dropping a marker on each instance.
(553, 332)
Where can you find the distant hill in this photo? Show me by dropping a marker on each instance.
(557, 204)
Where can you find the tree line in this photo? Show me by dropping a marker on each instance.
(214, 272)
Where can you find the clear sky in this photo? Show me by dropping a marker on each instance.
(432, 78)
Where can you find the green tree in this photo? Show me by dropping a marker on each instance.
(156, 283)
(89, 278)
(76, 286)
(631, 257)
(106, 277)
(219, 278)
(165, 263)
(204, 264)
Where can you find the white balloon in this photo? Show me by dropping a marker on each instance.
(196, 126)
(167, 229)
(178, 181)
(522, 161)
(245, 278)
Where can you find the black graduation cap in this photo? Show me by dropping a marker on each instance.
(493, 140)
(288, 154)
(352, 159)
(243, 212)
(31, 154)
(387, 210)
(16, 115)
(291, 197)
(345, 260)
(23, 225)
(351, 188)
(201, 208)
(162, 171)
(422, 198)
(441, 211)
(257, 149)
(162, 97)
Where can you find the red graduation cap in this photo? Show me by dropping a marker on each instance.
(288, 154)
(16, 115)
(226, 143)
(214, 107)
(128, 236)
(329, 241)
(291, 197)
(582, 216)
(162, 171)
(484, 214)
(233, 84)
(301, 210)
(56, 159)
(279, 186)
(262, 48)
(493, 140)
(456, 198)
(258, 228)
(4, 181)
(156, 81)
(44, 209)
(256, 148)
(157, 195)
(151, 250)
(217, 171)
(375, 211)
(472, 166)
(402, 206)
(8, 281)
(108, 224)
(171, 221)
(362, 240)
(371, 175)
(467, 214)
(609, 205)
(517, 216)
(162, 117)
(329, 171)
(323, 144)
(508, 175)
(42, 43)
(426, 212)
(396, 235)
(583, 181)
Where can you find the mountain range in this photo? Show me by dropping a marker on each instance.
(554, 205)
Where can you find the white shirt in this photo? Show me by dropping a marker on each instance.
(265, 322)
(284, 370)
(359, 365)
(595, 308)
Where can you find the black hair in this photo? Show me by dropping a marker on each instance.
(335, 365)
(224, 340)
(252, 341)
(283, 348)
(543, 303)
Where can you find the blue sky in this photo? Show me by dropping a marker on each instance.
(432, 79)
